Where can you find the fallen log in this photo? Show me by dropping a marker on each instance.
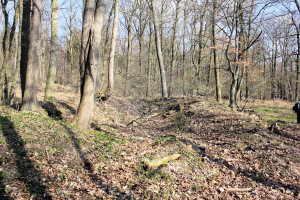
(239, 189)
(163, 161)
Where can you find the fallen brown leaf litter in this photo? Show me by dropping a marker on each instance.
(203, 150)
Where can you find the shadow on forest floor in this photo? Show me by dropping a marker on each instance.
(88, 166)
(27, 173)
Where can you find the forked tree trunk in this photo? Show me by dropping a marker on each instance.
(29, 72)
(88, 14)
(53, 54)
(90, 67)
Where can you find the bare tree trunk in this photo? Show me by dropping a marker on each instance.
(184, 53)
(88, 14)
(24, 43)
(298, 65)
(8, 54)
(53, 54)
(6, 45)
(104, 51)
(161, 25)
(201, 46)
(173, 59)
(71, 42)
(129, 47)
(150, 55)
(110, 87)
(207, 90)
(215, 57)
(91, 66)
(29, 100)
(4, 49)
(159, 52)
(17, 57)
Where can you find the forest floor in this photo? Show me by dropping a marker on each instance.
(225, 154)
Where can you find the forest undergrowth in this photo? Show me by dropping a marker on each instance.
(225, 154)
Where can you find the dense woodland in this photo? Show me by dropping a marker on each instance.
(230, 49)
(148, 99)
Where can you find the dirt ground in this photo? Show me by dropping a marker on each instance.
(225, 154)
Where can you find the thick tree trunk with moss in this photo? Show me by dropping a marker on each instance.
(90, 67)
(29, 99)
(53, 54)
(159, 52)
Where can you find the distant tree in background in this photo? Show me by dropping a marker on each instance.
(53, 52)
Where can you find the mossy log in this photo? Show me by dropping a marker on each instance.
(163, 161)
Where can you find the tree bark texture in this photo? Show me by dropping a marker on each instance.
(201, 45)
(215, 57)
(110, 87)
(88, 14)
(53, 53)
(29, 101)
(150, 60)
(92, 63)
(173, 57)
(159, 52)
(129, 47)
(24, 43)
(7, 42)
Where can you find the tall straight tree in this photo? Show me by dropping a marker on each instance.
(164, 92)
(297, 26)
(173, 59)
(110, 86)
(201, 45)
(7, 42)
(150, 59)
(214, 52)
(129, 47)
(94, 12)
(53, 53)
(30, 53)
